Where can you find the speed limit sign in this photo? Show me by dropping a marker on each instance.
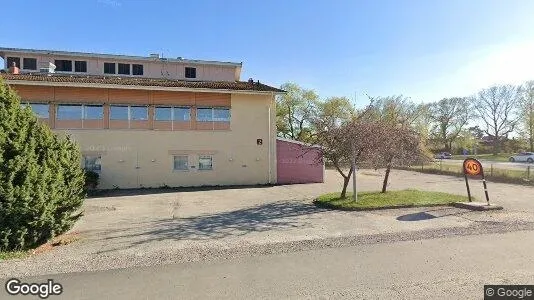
(474, 168)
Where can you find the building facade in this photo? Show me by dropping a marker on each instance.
(149, 121)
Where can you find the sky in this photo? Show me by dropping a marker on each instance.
(423, 49)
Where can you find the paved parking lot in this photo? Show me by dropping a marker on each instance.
(148, 227)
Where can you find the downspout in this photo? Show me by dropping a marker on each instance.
(270, 129)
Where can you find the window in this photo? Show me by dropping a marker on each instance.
(63, 65)
(205, 162)
(221, 114)
(204, 114)
(109, 68)
(93, 112)
(215, 114)
(92, 163)
(80, 66)
(182, 114)
(163, 114)
(138, 113)
(124, 69)
(137, 69)
(190, 72)
(30, 63)
(181, 163)
(41, 110)
(118, 112)
(69, 112)
(11, 60)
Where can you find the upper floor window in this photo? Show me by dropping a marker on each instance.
(80, 66)
(69, 112)
(163, 114)
(93, 112)
(182, 113)
(29, 63)
(63, 65)
(134, 113)
(39, 109)
(124, 69)
(190, 72)
(137, 69)
(109, 68)
(213, 114)
(11, 60)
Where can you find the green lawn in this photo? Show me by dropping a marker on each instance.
(488, 157)
(12, 255)
(391, 199)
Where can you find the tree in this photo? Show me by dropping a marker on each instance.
(449, 116)
(335, 111)
(41, 181)
(527, 112)
(295, 112)
(497, 106)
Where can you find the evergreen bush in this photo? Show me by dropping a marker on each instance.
(41, 181)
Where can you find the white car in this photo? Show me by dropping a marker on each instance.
(523, 156)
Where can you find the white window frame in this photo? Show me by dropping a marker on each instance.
(174, 165)
(204, 156)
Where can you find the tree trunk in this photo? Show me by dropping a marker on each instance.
(386, 178)
(346, 180)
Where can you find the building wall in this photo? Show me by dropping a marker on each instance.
(297, 163)
(151, 69)
(144, 158)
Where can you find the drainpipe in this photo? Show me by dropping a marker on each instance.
(270, 129)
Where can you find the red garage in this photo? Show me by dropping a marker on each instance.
(298, 162)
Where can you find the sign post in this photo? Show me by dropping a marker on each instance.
(473, 167)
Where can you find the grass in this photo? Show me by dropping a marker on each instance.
(492, 174)
(12, 255)
(391, 199)
(501, 157)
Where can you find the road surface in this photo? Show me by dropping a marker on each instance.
(446, 268)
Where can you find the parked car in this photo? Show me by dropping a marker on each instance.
(443, 155)
(523, 156)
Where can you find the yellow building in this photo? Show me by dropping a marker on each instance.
(152, 121)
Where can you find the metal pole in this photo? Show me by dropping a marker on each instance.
(528, 172)
(354, 189)
(485, 188)
(467, 185)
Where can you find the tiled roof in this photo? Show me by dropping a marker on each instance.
(146, 82)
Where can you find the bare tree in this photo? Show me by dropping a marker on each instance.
(449, 117)
(497, 108)
(527, 112)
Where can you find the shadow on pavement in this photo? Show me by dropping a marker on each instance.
(272, 216)
(430, 214)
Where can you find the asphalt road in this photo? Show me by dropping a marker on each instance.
(446, 268)
(486, 164)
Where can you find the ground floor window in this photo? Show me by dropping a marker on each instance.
(92, 163)
(181, 163)
(205, 162)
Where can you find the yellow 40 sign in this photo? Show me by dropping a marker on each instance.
(472, 167)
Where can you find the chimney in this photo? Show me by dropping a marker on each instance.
(14, 69)
(250, 80)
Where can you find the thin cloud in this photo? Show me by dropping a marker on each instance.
(111, 3)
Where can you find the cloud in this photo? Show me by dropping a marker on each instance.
(111, 3)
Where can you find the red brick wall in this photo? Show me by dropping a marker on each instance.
(298, 163)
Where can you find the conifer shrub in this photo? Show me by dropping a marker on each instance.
(41, 180)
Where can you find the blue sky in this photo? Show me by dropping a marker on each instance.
(424, 49)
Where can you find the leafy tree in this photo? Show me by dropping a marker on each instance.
(449, 116)
(497, 108)
(41, 181)
(295, 112)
